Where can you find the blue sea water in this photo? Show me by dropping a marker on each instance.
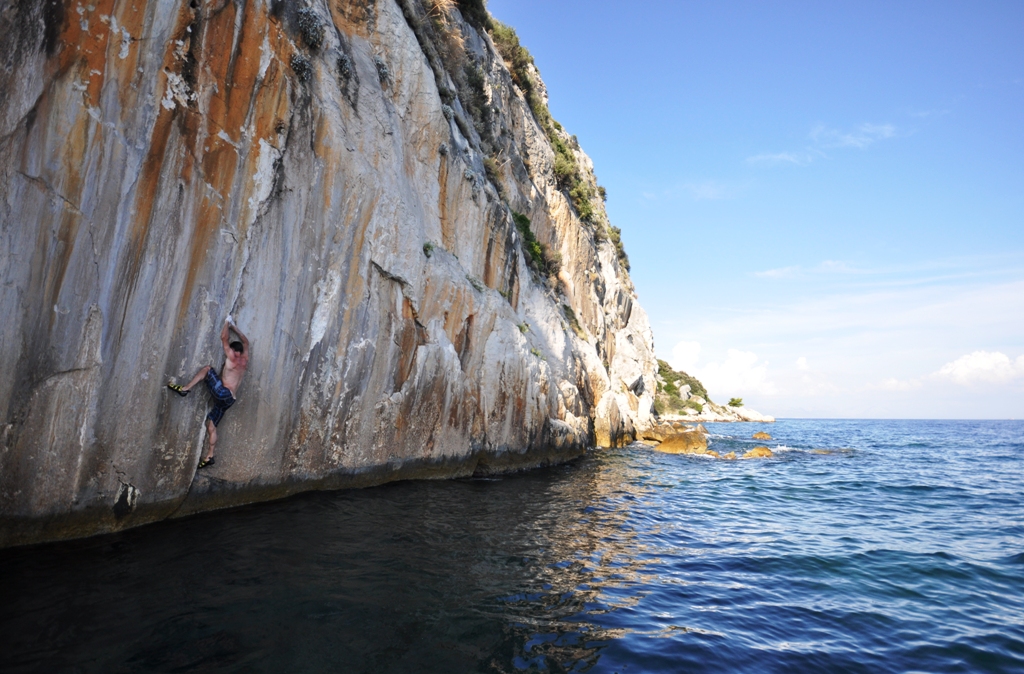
(864, 546)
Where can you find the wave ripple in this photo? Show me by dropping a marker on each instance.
(897, 548)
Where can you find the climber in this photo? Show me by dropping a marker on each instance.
(223, 387)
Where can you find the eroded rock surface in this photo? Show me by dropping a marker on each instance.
(164, 163)
(688, 441)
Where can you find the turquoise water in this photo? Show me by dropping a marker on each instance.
(902, 549)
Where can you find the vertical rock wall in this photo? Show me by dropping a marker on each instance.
(166, 162)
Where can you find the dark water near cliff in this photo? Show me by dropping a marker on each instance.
(904, 550)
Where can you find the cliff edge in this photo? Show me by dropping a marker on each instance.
(418, 253)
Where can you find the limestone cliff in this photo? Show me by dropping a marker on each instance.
(342, 177)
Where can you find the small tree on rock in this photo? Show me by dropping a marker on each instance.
(735, 402)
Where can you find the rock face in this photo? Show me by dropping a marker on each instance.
(164, 163)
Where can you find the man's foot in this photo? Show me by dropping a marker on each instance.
(207, 462)
(177, 389)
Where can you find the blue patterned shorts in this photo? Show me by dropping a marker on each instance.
(222, 398)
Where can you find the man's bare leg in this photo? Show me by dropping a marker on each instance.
(211, 440)
(196, 379)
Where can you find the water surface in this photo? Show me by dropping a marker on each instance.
(864, 546)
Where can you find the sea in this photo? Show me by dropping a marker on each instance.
(862, 546)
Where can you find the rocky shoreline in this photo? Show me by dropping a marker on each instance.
(718, 413)
(674, 437)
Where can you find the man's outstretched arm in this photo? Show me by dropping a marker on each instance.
(241, 336)
(224, 338)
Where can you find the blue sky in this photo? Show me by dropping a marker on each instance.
(823, 203)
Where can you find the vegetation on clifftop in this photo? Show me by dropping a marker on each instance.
(669, 398)
(441, 37)
(570, 176)
(567, 170)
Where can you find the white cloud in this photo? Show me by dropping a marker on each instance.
(781, 272)
(740, 374)
(894, 384)
(990, 367)
(684, 356)
(826, 138)
(801, 364)
(862, 136)
(858, 336)
(776, 158)
(835, 267)
(824, 267)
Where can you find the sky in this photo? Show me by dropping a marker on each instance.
(823, 203)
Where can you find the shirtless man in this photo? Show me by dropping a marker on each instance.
(223, 387)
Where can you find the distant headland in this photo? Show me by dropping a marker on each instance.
(681, 397)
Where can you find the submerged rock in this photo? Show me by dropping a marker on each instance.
(758, 453)
(686, 442)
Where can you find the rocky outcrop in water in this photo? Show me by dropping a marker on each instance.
(689, 441)
(356, 181)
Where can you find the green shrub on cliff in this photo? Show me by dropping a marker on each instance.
(475, 12)
(735, 402)
(581, 196)
(442, 42)
(567, 171)
(668, 398)
(538, 256)
(478, 104)
(574, 323)
(615, 234)
(534, 253)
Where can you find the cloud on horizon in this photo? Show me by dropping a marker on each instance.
(741, 373)
(894, 351)
(685, 355)
(894, 384)
(982, 367)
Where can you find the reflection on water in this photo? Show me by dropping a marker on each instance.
(490, 575)
(897, 548)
